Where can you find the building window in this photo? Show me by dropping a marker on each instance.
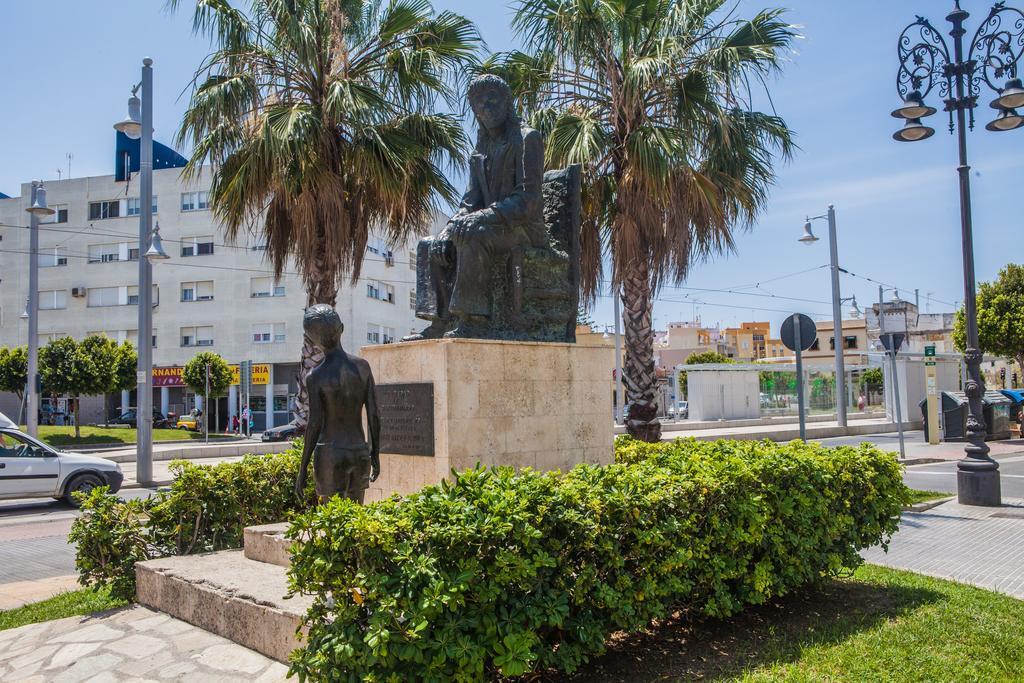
(412, 299)
(260, 287)
(379, 334)
(197, 291)
(101, 210)
(850, 342)
(195, 201)
(268, 333)
(380, 291)
(132, 298)
(412, 260)
(197, 246)
(197, 336)
(50, 258)
(816, 346)
(133, 253)
(104, 253)
(60, 214)
(134, 207)
(102, 296)
(53, 299)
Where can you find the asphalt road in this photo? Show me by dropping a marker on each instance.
(942, 476)
(33, 537)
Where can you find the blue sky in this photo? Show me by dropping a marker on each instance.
(70, 66)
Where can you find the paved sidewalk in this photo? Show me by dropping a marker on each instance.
(980, 546)
(162, 470)
(131, 644)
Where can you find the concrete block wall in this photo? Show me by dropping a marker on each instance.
(542, 405)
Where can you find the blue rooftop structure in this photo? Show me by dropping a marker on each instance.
(4, 196)
(126, 157)
(1015, 395)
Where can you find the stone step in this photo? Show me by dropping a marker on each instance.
(226, 594)
(266, 543)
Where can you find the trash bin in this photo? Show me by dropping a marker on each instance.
(953, 407)
(997, 409)
(1017, 396)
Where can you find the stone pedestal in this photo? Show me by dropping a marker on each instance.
(525, 404)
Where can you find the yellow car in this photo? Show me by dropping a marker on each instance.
(188, 422)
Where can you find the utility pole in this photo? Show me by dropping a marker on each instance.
(37, 209)
(837, 320)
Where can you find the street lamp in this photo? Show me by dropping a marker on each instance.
(37, 209)
(926, 64)
(139, 124)
(809, 238)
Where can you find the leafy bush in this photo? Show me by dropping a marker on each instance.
(205, 509)
(499, 572)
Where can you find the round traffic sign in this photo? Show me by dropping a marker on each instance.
(808, 332)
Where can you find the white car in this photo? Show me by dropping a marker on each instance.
(31, 469)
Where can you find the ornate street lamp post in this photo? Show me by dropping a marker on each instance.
(926, 64)
(139, 125)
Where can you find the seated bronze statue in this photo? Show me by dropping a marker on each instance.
(499, 270)
(339, 389)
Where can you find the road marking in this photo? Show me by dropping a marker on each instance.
(946, 474)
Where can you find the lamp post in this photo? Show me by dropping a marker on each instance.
(139, 124)
(808, 238)
(36, 210)
(926, 64)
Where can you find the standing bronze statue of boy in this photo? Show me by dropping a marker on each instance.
(339, 389)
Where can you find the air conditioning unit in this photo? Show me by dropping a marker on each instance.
(78, 292)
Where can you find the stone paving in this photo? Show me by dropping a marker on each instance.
(980, 546)
(131, 644)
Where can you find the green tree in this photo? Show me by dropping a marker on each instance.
(316, 119)
(14, 370)
(1000, 317)
(214, 384)
(653, 98)
(126, 363)
(871, 377)
(65, 370)
(700, 358)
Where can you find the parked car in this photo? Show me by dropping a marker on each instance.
(282, 433)
(129, 418)
(31, 469)
(682, 410)
(191, 422)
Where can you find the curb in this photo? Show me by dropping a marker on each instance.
(99, 448)
(928, 504)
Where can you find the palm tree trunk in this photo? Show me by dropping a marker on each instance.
(323, 291)
(638, 371)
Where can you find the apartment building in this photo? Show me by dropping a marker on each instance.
(681, 340)
(211, 294)
(753, 341)
(855, 343)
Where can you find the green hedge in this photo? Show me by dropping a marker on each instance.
(205, 509)
(508, 573)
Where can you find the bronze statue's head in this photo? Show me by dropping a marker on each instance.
(491, 100)
(322, 325)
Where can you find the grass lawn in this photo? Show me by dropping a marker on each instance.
(918, 496)
(65, 436)
(84, 601)
(879, 625)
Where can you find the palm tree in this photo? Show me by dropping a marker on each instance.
(653, 98)
(316, 118)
